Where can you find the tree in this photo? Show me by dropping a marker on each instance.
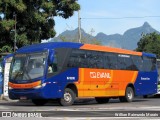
(150, 43)
(33, 19)
(90, 40)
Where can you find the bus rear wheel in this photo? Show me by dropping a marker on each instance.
(68, 97)
(39, 102)
(129, 95)
(102, 100)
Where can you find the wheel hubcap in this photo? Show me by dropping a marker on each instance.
(130, 95)
(67, 97)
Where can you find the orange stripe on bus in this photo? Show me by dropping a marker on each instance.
(134, 77)
(109, 49)
(103, 89)
(24, 86)
(107, 82)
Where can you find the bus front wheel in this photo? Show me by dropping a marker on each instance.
(129, 95)
(68, 97)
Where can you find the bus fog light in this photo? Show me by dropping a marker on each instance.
(10, 88)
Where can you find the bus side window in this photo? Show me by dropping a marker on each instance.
(54, 65)
(52, 68)
(100, 60)
(121, 63)
(149, 64)
(129, 63)
(137, 62)
(153, 61)
(112, 58)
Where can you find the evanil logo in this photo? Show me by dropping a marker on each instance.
(99, 75)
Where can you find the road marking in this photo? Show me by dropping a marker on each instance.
(105, 109)
(3, 108)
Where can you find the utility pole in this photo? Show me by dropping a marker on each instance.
(15, 18)
(92, 31)
(79, 26)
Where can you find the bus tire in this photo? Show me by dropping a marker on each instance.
(68, 97)
(129, 94)
(39, 102)
(102, 100)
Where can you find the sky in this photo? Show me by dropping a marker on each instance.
(111, 16)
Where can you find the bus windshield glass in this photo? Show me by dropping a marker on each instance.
(28, 66)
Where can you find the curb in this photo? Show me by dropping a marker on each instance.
(9, 100)
(6, 98)
(1, 97)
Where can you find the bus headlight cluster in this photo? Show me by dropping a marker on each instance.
(40, 86)
(10, 88)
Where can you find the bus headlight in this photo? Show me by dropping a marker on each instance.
(40, 86)
(37, 87)
(44, 84)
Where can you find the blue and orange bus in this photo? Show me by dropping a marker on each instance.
(65, 71)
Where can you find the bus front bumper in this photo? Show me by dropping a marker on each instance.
(51, 91)
(25, 94)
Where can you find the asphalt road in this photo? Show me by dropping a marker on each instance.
(86, 108)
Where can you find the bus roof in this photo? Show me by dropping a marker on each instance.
(148, 54)
(109, 49)
(49, 45)
(53, 45)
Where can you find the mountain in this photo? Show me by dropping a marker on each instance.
(110, 40)
(132, 36)
(72, 35)
(128, 40)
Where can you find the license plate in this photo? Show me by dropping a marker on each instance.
(23, 98)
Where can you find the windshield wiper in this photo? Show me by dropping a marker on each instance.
(18, 73)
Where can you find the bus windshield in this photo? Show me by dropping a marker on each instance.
(28, 66)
